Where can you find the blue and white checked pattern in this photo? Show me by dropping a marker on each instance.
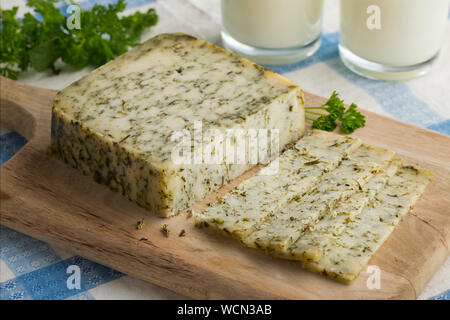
(32, 269)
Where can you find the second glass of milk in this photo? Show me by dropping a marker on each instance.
(272, 31)
(392, 39)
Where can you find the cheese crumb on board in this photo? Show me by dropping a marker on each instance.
(342, 256)
(278, 231)
(117, 124)
(299, 169)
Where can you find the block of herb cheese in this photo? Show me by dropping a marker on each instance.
(278, 231)
(345, 254)
(298, 170)
(117, 124)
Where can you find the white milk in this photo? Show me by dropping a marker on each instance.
(411, 31)
(272, 24)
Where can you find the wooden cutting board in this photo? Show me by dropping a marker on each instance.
(45, 198)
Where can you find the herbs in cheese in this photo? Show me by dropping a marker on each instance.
(247, 205)
(330, 207)
(117, 123)
(345, 254)
(314, 241)
(280, 230)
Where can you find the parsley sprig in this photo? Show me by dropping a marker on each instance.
(39, 43)
(348, 119)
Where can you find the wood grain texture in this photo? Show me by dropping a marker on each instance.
(45, 198)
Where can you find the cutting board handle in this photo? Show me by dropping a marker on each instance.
(24, 108)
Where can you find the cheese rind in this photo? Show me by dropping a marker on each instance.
(117, 124)
(299, 169)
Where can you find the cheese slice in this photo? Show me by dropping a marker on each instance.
(119, 123)
(343, 256)
(298, 170)
(278, 231)
(315, 240)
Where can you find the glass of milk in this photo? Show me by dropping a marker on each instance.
(272, 31)
(392, 39)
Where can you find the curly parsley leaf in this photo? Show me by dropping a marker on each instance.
(39, 43)
(349, 120)
(335, 106)
(326, 123)
(352, 119)
(13, 52)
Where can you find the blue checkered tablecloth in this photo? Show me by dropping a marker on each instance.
(32, 269)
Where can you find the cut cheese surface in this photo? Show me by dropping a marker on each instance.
(316, 239)
(298, 170)
(119, 123)
(278, 231)
(330, 206)
(343, 255)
